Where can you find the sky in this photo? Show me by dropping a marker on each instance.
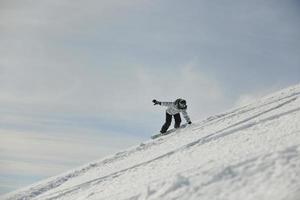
(77, 77)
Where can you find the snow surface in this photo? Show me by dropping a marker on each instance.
(252, 152)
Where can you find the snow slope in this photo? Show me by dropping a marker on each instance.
(249, 153)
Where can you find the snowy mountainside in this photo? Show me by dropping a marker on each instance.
(252, 152)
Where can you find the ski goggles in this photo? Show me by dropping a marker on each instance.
(182, 104)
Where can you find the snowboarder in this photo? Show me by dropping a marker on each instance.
(174, 109)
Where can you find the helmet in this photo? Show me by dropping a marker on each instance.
(181, 103)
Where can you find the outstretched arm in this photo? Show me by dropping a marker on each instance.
(166, 103)
(162, 103)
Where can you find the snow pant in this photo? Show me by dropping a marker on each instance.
(167, 124)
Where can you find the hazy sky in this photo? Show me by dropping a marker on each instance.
(77, 77)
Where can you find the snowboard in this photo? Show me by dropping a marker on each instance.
(169, 131)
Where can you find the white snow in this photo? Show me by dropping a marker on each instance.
(251, 153)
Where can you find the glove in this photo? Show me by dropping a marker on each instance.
(189, 122)
(156, 102)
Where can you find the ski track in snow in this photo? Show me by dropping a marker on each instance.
(200, 161)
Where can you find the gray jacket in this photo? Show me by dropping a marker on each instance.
(173, 109)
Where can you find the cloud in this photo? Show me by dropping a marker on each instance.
(62, 56)
(244, 100)
(117, 91)
(252, 96)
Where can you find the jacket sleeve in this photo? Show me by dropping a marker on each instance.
(166, 103)
(186, 116)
